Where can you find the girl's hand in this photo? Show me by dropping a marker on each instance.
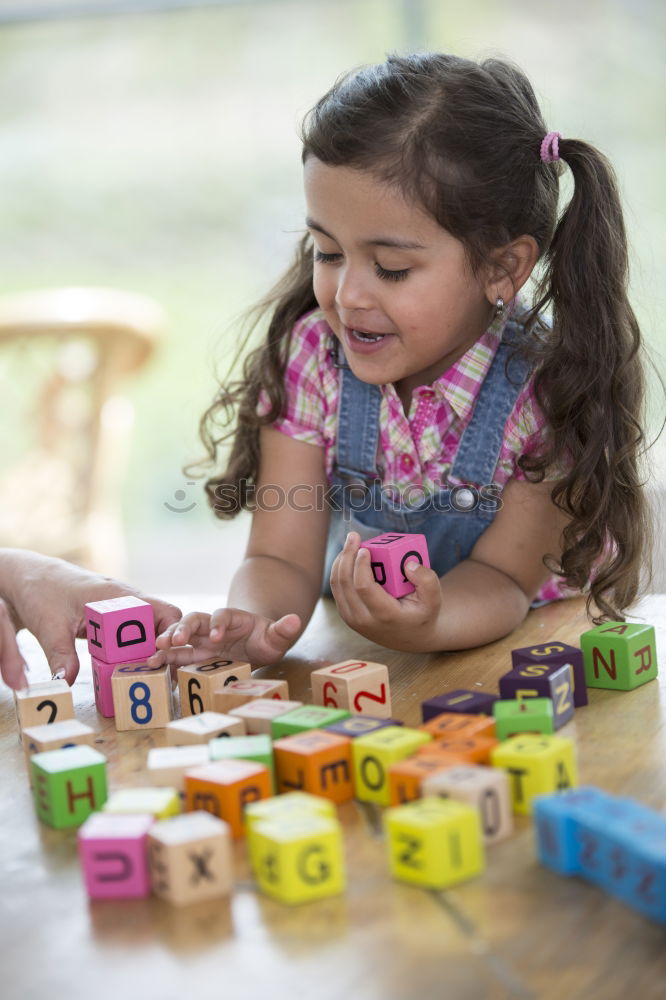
(410, 623)
(228, 632)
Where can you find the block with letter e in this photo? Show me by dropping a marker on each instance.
(619, 655)
(141, 696)
(43, 704)
(198, 682)
(120, 629)
(190, 858)
(317, 762)
(68, 785)
(554, 654)
(389, 554)
(536, 765)
(298, 858)
(113, 854)
(357, 685)
(225, 787)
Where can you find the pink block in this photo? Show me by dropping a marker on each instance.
(389, 553)
(120, 629)
(113, 849)
(102, 672)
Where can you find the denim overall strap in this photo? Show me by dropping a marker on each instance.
(358, 428)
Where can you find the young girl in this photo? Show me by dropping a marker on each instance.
(405, 385)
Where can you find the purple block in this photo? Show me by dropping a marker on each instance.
(120, 629)
(114, 855)
(542, 681)
(102, 683)
(360, 725)
(465, 702)
(388, 555)
(555, 654)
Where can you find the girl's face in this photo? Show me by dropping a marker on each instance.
(395, 287)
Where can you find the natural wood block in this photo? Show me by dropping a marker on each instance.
(240, 692)
(120, 629)
(466, 702)
(258, 715)
(388, 555)
(300, 858)
(406, 777)
(167, 765)
(68, 785)
(315, 761)
(467, 749)
(225, 787)
(158, 802)
(43, 704)
(102, 673)
(539, 680)
(483, 788)
(372, 755)
(456, 724)
(434, 842)
(202, 728)
(357, 685)
(190, 858)
(56, 736)
(197, 682)
(619, 655)
(556, 654)
(113, 855)
(299, 720)
(141, 696)
(536, 765)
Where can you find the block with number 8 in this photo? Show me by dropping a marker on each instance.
(141, 696)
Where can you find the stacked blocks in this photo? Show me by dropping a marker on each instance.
(112, 850)
(68, 785)
(619, 655)
(555, 654)
(197, 683)
(536, 765)
(389, 554)
(356, 685)
(541, 680)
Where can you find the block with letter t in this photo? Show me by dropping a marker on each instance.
(141, 696)
(113, 854)
(619, 655)
(120, 629)
(389, 554)
(357, 685)
(68, 785)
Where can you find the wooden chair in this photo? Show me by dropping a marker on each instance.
(64, 355)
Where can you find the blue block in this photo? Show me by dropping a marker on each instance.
(557, 821)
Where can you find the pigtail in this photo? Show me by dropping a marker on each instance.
(590, 386)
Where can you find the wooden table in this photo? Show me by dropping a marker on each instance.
(517, 931)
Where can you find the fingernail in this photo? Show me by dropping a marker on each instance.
(412, 564)
(59, 675)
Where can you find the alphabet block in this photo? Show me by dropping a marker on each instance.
(484, 788)
(356, 685)
(190, 858)
(141, 696)
(120, 629)
(389, 553)
(198, 682)
(112, 851)
(203, 728)
(360, 725)
(240, 692)
(68, 785)
(158, 802)
(406, 778)
(619, 655)
(308, 717)
(56, 736)
(43, 704)
(299, 858)
(466, 702)
(539, 680)
(529, 715)
(458, 724)
(225, 787)
(102, 673)
(289, 804)
(372, 755)
(166, 766)
(258, 715)
(434, 842)
(315, 761)
(465, 749)
(258, 749)
(555, 654)
(536, 765)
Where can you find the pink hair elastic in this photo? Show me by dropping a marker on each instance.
(550, 147)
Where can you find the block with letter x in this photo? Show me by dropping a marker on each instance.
(389, 554)
(190, 858)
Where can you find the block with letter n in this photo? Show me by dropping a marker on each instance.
(68, 785)
(120, 629)
(357, 685)
(553, 654)
(619, 655)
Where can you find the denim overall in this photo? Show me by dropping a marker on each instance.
(452, 519)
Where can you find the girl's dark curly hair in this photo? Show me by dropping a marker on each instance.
(463, 139)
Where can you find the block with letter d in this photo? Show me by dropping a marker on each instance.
(359, 686)
(120, 629)
(113, 854)
(298, 858)
(68, 785)
(317, 762)
(141, 696)
(619, 655)
(389, 554)
(190, 858)
(536, 765)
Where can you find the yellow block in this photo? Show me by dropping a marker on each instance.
(536, 765)
(284, 807)
(160, 802)
(372, 755)
(434, 842)
(299, 858)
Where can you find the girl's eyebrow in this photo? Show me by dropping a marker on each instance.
(380, 241)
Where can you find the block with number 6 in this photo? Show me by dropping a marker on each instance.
(141, 696)
(359, 686)
(198, 682)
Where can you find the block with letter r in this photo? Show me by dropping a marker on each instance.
(389, 554)
(619, 655)
(120, 629)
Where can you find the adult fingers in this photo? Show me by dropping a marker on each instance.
(12, 664)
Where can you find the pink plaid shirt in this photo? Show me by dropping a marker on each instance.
(415, 449)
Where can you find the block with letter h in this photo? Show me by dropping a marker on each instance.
(68, 785)
(359, 686)
(118, 630)
(389, 554)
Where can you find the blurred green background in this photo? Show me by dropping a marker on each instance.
(158, 151)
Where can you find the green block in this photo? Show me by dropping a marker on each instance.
(619, 655)
(527, 715)
(299, 720)
(256, 748)
(68, 785)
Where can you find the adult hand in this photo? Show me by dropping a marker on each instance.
(12, 665)
(409, 624)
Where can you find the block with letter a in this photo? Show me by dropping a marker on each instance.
(359, 686)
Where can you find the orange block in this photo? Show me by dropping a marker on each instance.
(315, 761)
(467, 749)
(240, 692)
(450, 724)
(225, 787)
(406, 776)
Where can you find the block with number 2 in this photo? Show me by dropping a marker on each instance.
(358, 686)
